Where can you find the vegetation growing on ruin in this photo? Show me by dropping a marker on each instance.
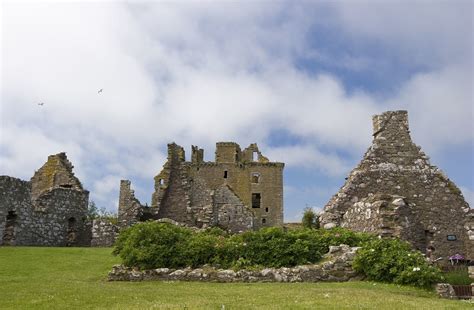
(94, 212)
(154, 245)
(393, 261)
(74, 278)
(310, 219)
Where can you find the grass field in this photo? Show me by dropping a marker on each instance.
(73, 278)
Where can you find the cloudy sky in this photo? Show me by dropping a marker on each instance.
(302, 79)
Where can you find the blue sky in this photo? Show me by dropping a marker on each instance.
(300, 79)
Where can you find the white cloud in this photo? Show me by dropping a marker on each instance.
(309, 157)
(420, 32)
(440, 107)
(201, 73)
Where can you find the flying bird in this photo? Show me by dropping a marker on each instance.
(100, 91)
(41, 103)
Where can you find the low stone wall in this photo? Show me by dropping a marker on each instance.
(445, 290)
(104, 233)
(448, 291)
(337, 267)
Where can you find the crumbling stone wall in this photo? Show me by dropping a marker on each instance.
(172, 187)
(387, 216)
(394, 165)
(43, 211)
(470, 233)
(229, 211)
(129, 209)
(56, 172)
(104, 233)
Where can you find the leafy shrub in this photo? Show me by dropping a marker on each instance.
(458, 277)
(393, 260)
(200, 249)
(310, 219)
(93, 212)
(153, 245)
(150, 245)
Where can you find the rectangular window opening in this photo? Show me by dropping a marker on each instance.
(264, 221)
(266, 209)
(256, 197)
(225, 174)
(254, 156)
(255, 178)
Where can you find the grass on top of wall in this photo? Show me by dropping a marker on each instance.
(75, 278)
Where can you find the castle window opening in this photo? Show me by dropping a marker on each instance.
(255, 178)
(266, 209)
(264, 221)
(9, 231)
(66, 186)
(254, 156)
(225, 174)
(256, 198)
(161, 181)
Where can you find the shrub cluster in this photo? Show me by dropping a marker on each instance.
(153, 245)
(393, 260)
(458, 277)
(310, 219)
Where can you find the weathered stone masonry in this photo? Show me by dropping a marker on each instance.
(241, 190)
(395, 191)
(48, 210)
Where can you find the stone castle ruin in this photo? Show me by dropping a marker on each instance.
(240, 190)
(395, 191)
(48, 210)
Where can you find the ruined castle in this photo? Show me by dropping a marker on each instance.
(48, 210)
(240, 190)
(395, 191)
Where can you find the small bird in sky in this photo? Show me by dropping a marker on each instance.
(100, 91)
(41, 103)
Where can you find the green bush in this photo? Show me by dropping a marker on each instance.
(393, 260)
(152, 245)
(310, 219)
(458, 277)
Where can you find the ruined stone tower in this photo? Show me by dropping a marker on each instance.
(50, 209)
(240, 190)
(395, 191)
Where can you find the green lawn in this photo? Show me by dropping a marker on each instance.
(69, 278)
